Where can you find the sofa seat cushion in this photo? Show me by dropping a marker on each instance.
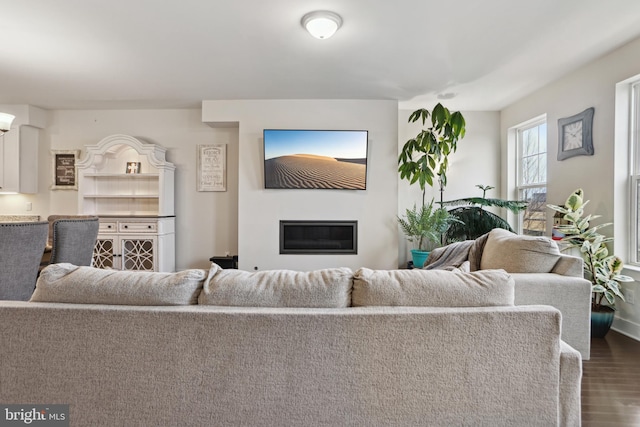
(519, 254)
(87, 285)
(432, 288)
(327, 288)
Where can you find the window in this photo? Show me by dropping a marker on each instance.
(531, 183)
(634, 126)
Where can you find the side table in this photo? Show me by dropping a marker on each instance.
(226, 261)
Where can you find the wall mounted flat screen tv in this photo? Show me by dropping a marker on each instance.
(315, 159)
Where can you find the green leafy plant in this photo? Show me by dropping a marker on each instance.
(600, 267)
(427, 154)
(474, 220)
(425, 224)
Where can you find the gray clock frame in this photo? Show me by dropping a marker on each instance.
(587, 135)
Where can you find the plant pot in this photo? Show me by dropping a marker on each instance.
(601, 321)
(419, 257)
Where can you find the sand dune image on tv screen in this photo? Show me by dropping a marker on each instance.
(311, 171)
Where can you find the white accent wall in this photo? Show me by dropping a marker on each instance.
(260, 210)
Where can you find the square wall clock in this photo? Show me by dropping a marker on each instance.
(575, 135)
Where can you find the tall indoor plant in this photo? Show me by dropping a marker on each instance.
(600, 267)
(424, 226)
(424, 158)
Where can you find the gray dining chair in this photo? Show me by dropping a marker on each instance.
(73, 240)
(21, 247)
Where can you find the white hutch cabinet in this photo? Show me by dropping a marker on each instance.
(129, 185)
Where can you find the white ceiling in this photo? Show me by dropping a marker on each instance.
(176, 53)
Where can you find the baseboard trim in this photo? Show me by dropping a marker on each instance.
(626, 327)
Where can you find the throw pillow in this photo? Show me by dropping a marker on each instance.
(519, 254)
(432, 288)
(328, 288)
(87, 285)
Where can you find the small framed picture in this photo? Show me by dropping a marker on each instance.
(133, 167)
(64, 169)
(212, 167)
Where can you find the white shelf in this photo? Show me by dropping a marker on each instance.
(121, 196)
(127, 214)
(122, 175)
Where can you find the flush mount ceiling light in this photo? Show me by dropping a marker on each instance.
(321, 24)
(5, 122)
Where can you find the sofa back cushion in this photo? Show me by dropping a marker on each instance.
(328, 288)
(432, 288)
(519, 254)
(87, 285)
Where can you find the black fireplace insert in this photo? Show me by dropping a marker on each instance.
(319, 237)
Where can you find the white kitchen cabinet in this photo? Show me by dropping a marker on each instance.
(19, 160)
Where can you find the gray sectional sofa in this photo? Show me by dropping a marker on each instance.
(282, 348)
(542, 275)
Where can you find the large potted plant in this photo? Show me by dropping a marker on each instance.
(424, 226)
(600, 267)
(422, 159)
(474, 220)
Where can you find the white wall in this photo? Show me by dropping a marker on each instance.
(206, 223)
(591, 86)
(243, 220)
(476, 162)
(259, 210)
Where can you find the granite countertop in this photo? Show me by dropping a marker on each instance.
(19, 218)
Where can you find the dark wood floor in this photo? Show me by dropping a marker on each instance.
(611, 382)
